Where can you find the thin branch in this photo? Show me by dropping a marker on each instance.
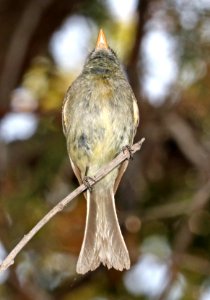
(9, 260)
(166, 211)
(194, 263)
(179, 208)
(185, 138)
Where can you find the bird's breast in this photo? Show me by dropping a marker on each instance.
(101, 124)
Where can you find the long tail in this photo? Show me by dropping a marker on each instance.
(103, 241)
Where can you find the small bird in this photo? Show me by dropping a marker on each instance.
(100, 116)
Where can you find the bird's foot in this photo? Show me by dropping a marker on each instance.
(88, 181)
(129, 149)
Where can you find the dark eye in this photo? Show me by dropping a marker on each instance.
(113, 52)
(90, 54)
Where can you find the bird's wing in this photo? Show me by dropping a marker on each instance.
(76, 171)
(66, 108)
(64, 115)
(135, 112)
(124, 165)
(121, 171)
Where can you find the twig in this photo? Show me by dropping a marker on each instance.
(9, 260)
(174, 209)
(194, 263)
(185, 138)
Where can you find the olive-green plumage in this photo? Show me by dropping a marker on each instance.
(100, 116)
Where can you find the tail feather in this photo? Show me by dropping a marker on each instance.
(103, 241)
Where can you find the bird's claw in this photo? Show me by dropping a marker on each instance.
(88, 181)
(129, 149)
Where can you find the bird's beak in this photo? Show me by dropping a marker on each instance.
(101, 41)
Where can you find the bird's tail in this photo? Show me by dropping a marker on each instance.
(103, 241)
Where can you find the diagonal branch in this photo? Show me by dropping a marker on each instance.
(185, 139)
(125, 154)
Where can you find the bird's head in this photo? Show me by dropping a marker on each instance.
(102, 60)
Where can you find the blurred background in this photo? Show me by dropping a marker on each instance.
(163, 200)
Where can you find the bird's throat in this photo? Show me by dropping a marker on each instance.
(100, 71)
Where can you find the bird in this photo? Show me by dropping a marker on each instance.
(100, 117)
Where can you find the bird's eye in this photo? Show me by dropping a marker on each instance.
(91, 54)
(113, 52)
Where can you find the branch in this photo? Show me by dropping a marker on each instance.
(9, 260)
(185, 138)
(133, 64)
(15, 56)
(174, 209)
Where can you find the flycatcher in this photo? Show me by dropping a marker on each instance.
(100, 117)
